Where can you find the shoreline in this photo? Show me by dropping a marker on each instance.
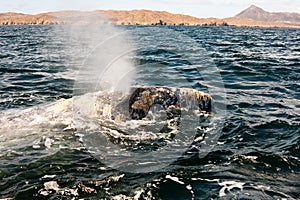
(139, 25)
(133, 18)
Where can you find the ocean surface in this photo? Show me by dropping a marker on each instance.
(249, 148)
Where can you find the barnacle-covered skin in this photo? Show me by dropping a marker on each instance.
(171, 99)
(143, 98)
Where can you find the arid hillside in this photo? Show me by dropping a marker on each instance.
(258, 14)
(134, 17)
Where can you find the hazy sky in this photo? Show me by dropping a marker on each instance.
(198, 8)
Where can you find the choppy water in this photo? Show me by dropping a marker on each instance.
(256, 155)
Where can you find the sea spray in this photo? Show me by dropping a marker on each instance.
(103, 53)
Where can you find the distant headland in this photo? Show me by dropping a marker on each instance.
(252, 17)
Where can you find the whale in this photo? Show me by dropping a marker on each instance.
(107, 106)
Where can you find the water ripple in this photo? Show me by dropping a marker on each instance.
(256, 157)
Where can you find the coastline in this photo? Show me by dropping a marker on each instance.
(133, 17)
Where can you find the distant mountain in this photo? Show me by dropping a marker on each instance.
(141, 17)
(11, 18)
(258, 14)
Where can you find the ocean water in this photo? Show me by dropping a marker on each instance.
(250, 143)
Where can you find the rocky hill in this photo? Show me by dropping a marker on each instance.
(133, 17)
(19, 18)
(258, 14)
(148, 17)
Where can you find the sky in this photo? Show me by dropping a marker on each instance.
(197, 8)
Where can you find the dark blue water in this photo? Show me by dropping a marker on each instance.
(257, 153)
